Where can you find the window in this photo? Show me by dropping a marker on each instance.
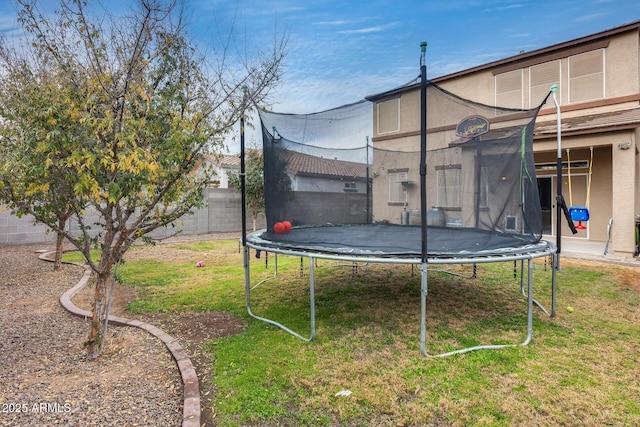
(350, 187)
(396, 189)
(541, 78)
(586, 76)
(509, 89)
(448, 183)
(389, 116)
(511, 223)
(484, 187)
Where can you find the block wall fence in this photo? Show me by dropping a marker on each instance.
(222, 214)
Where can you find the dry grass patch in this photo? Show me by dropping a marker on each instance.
(581, 367)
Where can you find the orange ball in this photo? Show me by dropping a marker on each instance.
(278, 227)
(287, 226)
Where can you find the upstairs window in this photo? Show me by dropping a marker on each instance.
(389, 116)
(586, 76)
(509, 89)
(542, 77)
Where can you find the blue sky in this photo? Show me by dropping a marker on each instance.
(342, 50)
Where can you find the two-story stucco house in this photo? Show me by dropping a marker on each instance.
(598, 80)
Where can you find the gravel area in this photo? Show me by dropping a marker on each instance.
(46, 378)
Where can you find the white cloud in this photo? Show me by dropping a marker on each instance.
(373, 29)
(589, 18)
(333, 23)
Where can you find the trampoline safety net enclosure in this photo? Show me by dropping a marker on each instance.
(329, 189)
(460, 188)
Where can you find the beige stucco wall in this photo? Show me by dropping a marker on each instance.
(622, 70)
(470, 88)
(383, 210)
(615, 180)
(636, 138)
(624, 200)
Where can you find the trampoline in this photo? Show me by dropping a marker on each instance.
(400, 244)
(396, 241)
(469, 197)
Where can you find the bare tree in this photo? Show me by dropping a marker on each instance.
(113, 114)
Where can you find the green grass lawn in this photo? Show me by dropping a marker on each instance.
(581, 368)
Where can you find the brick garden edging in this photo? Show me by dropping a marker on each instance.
(191, 388)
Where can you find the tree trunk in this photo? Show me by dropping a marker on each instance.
(62, 223)
(96, 335)
(59, 249)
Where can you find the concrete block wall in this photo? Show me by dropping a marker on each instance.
(221, 214)
(14, 230)
(309, 207)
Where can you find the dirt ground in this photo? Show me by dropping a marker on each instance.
(191, 329)
(627, 275)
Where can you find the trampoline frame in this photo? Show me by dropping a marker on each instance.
(518, 254)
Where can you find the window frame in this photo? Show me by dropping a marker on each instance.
(533, 100)
(378, 121)
(350, 187)
(572, 81)
(400, 176)
(446, 189)
(498, 94)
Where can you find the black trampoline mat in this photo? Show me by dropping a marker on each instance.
(392, 240)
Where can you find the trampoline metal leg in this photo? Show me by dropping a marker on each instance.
(538, 304)
(530, 302)
(423, 309)
(247, 280)
(554, 283)
(522, 277)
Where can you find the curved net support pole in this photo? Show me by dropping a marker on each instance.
(423, 321)
(312, 310)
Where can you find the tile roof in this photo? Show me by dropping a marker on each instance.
(592, 122)
(225, 160)
(304, 164)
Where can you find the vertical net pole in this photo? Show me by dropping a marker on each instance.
(423, 149)
(243, 193)
(423, 198)
(554, 89)
(243, 190)
(369, 219)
